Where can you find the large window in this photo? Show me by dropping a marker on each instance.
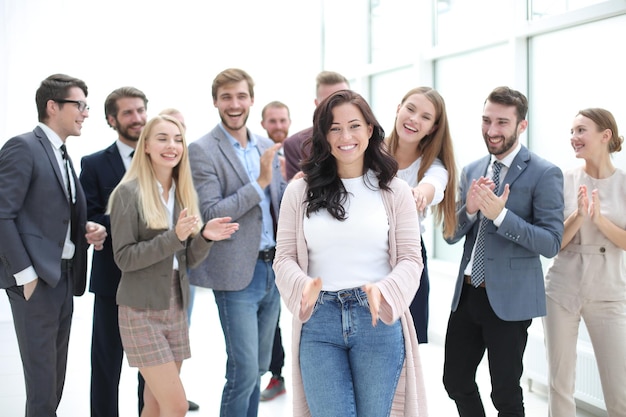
(466, 22)
(543, 8)
(570, 70)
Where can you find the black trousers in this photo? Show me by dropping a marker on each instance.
(419, 306)
(278, 352)
(106, 358)
(472, 329)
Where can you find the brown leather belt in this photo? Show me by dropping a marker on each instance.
(468, 280)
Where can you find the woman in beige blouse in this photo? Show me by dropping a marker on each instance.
(588, 277)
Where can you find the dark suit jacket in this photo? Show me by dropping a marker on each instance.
(35, 212)
(224, 189)
(100, 173)
(532, 227)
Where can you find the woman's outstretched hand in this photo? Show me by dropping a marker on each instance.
(219, 228)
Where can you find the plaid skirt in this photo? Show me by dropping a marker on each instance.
(156, 337)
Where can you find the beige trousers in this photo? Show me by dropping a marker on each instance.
(606, 325)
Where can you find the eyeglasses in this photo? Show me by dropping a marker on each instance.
(82, 106)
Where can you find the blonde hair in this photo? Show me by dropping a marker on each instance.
(151, 209)
(437, 144)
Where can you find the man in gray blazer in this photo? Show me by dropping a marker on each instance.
(44, 236)
(510, 213)
(237, 174)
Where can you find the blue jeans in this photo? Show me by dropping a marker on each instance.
(248, 319)
(349, 368)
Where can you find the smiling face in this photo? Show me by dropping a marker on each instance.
(348, 138)
(415, 119)
(130, 119)
(588, 140)
(501, 129)
(276, 123)
(65, 118)
(233, 103)
(164, 146)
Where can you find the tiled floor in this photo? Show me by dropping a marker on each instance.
(203, 374)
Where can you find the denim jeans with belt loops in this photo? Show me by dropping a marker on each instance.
(349, 367)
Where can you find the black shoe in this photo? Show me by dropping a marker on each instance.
(193, 406)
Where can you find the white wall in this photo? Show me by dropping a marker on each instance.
(170, 50)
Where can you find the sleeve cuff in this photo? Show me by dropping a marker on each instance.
(25, 276)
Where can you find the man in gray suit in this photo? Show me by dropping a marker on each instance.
(237, 174)
(44, 236)
(510, 213)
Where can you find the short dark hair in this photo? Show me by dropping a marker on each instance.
(509, 97)
(110, 104)
(56, 86)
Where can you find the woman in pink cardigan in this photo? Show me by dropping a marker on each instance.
(347, 265)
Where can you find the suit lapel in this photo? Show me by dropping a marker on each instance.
(519, 164)
(227, 149)
(52, 158)
(481, 168)
(115, 160)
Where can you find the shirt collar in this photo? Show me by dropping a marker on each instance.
(508, 160)
(53, 137)
(251, 139)
(124, 149)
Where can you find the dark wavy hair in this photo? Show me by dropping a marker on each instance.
(326, 191)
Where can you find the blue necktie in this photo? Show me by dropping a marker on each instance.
(478, 266)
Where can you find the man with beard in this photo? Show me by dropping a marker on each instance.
(237, 174)
(126, 112)
(510, 213)
(275, 120)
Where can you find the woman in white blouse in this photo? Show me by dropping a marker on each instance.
(347, 266)
(421, 143)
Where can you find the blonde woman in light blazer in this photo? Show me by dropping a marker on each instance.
(157, 234)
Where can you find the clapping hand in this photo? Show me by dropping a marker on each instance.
(219, 228)
(472, 200)
(185, 225)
